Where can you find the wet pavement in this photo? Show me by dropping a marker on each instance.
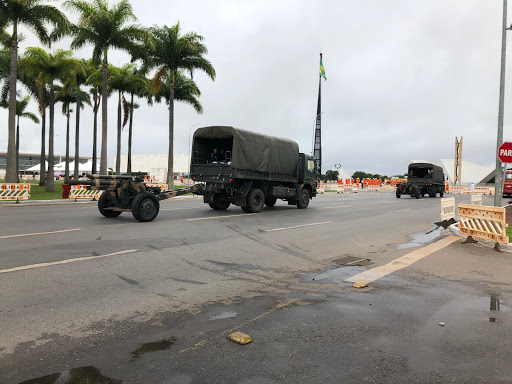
(445, 318)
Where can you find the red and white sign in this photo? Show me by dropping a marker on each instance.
(505, 153)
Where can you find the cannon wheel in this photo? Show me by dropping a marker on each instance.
(145, 207)
(104, 202)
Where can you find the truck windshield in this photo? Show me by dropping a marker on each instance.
(420, 173)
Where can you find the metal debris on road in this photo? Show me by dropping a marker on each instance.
(240, 338)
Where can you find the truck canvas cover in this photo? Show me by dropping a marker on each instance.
(252, 151)
(421, 170)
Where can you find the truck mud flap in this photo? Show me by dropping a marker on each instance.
(240, 200)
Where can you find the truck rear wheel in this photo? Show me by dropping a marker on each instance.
(255, 200)
(218, 204)
(398, 194)
(303, 201)
(417, 193)
(104, 202)
(145, 207)
(270, 202)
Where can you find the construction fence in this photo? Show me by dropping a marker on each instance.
(14, 192)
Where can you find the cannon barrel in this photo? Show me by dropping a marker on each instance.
(114, 177)
(96, 183)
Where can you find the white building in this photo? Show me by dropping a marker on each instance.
(155, 164)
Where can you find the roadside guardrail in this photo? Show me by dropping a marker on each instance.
(12, 192)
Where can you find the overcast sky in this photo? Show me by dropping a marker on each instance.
(404, 77)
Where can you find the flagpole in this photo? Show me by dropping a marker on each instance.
(317, 145)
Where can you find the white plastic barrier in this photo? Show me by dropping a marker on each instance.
(81, 192)
(476, 199)
(448, 208)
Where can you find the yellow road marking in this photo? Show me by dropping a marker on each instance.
(337, 206)
(298, 226)
(221, 217)
(402, 262)
(41, 265)
(39, 233)
(260, 316)
(195, 346)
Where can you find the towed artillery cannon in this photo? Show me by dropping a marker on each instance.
(131, 194)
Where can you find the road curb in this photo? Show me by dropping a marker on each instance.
(486, 243)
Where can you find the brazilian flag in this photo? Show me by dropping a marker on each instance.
(322, 70)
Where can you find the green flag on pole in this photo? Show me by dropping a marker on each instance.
(322, 70)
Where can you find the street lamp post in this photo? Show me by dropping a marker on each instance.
(189, 144)
(497, 175)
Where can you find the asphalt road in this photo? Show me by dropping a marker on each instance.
(82, 296)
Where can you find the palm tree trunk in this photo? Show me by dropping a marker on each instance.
(95, 134)
(18, 150)
(66, 169)
(170, 161)
(104, 95)
(77, 139)
(42, 171)
(118, 155)
(11, 175)
(50, 182)
(130, 128)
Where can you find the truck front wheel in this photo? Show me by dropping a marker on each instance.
(255, 200)
(303, 201)
(398, 194)
(417, 193)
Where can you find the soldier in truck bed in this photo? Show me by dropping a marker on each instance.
(214, 156)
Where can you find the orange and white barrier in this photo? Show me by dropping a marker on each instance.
(81, 192)
(320, 188)
(163, 187)
(14, 192)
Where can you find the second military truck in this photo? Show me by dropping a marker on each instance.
(422, 179)
(250, 170)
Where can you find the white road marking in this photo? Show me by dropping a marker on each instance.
(298, 226)
(221, 217)
(337, 206)
(402, 210)
(175, 209)
(402, 262)
(41, 265)
(39, 233)
(391, 202)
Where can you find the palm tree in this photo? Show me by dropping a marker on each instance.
(66, 98)
(36, 16)
(21, 106)
(81, 97)
(140, 86)
(105, 28)
(120, 82)
(48, 68)
(42, 95)
(174, 51)
(94, 78)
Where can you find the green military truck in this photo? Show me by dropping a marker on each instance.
(423, 178)
(251, 170)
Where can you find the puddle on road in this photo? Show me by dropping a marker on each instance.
(75, 376)
(155, 346)
(224, 315)
(495, 306)
(420, 239)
